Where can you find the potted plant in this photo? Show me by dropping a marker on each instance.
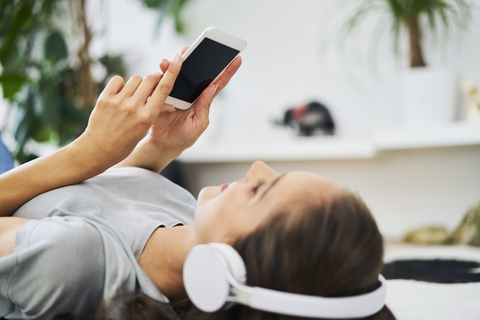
(428, 93)
(49, 84)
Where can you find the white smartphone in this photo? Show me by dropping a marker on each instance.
(203, 62)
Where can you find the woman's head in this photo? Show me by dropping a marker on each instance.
(314, 238)
(334, 249)
(230, 212)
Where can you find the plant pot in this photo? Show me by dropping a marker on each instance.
(429, 96)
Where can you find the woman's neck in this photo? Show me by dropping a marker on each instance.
(163, 257)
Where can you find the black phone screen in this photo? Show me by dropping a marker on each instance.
(200, 68)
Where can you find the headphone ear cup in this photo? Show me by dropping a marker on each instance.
(204, 279)
(204, 274)
(234, 260)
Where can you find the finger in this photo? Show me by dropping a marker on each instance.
(146, 87)
(164, 65)
(202, 105)
(113, 87)
(162, 90)
(227, 74)
(131, 86)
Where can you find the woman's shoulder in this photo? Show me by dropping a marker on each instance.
(69, 265)
(61, 261)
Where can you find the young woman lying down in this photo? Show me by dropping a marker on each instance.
(93, 230)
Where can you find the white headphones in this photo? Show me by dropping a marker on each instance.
(214, 275)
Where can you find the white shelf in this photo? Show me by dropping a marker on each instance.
(458, 134)
(293, 149)
(328, 148)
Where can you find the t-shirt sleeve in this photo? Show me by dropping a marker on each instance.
(68, 265)
(58, 267)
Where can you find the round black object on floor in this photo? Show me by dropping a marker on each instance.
(439, 271)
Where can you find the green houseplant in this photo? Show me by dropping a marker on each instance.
(46, 67)
(416, 17)
(428, 93)
(171, 8)
(51, 86)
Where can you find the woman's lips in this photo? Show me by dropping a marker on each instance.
(224, 186)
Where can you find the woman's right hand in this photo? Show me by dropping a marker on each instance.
(178, 130)
(123, 115)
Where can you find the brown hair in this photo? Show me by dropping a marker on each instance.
(332, 249)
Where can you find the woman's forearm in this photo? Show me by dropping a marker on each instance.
(69, 165)
(149, 156)
(122, 116)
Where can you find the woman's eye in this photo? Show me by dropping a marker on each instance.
(255, 189)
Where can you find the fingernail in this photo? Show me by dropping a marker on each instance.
(171, 109)
(176, 58)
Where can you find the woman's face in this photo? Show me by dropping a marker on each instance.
(228, 212)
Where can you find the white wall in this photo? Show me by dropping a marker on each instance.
(403, 189)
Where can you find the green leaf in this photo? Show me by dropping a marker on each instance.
(48, 107)
(74, 114)
(22, 157)
(176, 10)
(5, 13)
(114, 65)
(49, 6)
(74, 121)
(56, 47)
(155, 4)
(12, 60)
(42, 132)
(165, 8)
(4, 4)
(438, 13)
(11, 85)
(19, 20)
(24, 119)
(23, 17)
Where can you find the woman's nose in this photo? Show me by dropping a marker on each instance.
(260, 170)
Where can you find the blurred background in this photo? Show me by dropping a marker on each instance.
(399, 82)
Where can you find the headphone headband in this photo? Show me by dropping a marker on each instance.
(293, 304)
(213, 277)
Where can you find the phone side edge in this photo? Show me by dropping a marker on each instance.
(225, 38)
(177, 103)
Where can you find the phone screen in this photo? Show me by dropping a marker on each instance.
(200, 68)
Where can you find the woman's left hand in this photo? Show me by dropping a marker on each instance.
(175, 130)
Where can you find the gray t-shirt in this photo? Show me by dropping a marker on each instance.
(84, 241)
